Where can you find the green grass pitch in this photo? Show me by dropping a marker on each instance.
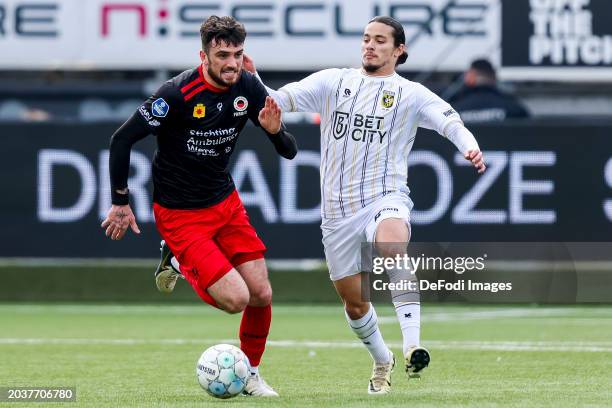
(145, 355)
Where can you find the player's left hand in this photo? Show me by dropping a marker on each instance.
(270, 116)
(477, 159)
(248, 64)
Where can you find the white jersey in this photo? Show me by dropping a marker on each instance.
(368, 126)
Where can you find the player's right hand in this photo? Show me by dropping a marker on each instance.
(117, 221)
(477, 159)
(270, 116)
(248, 64)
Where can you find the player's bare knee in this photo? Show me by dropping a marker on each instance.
(261, 296)
(356, 309)
(392, 237)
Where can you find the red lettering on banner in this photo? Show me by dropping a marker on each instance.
(138, 8)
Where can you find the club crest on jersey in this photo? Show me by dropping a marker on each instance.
(199, 111)
(388, 98)
(240, 105)
(160, 108)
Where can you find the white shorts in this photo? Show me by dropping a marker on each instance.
(344, 237)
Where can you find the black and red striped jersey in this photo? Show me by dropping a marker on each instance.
(197, 127)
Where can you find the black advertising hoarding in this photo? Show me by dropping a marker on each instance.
(557, 40)
(545, 182)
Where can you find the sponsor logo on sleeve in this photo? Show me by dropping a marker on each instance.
(449, 113)
(147, 116)
(160, 108)
(145, 113)
(384, 210)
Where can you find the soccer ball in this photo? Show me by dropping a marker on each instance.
(222, 371)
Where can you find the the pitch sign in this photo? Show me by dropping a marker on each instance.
(557, 40)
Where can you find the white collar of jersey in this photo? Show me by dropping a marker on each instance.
(365, 74)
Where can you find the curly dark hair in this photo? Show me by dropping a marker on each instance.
(226, 29)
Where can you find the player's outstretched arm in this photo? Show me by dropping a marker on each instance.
(281, 98)
(306, 95)
(120, 215)
(436, 114)
(270, 120)
(466, 143)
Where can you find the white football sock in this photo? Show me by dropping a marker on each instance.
(409, 316)
(254, 370)
(175, 264)
(366, 328)
(407, 304)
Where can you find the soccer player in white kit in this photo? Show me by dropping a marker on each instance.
(369, 118)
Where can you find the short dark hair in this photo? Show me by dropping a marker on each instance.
(484, 68)
(399, 37)
(226, 29)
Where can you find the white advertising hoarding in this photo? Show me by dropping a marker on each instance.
(298, 35)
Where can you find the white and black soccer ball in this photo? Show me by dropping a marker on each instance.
(223, 370)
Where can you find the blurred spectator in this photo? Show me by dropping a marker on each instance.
(36, 115)
(480, 100)
(13, 110)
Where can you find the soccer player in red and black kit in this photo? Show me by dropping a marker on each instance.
(197, 117)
